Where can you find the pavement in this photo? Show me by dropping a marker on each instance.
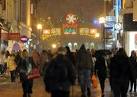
(9, 89)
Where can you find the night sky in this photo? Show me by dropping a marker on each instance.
(57, 9)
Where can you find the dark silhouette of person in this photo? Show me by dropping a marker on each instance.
(101, 70)
(120, 72)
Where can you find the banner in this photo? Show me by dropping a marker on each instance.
(10, 36)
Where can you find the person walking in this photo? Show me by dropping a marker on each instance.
(11, 67)
(25, 68)
(133, 63)
(120, 72)
(85, 68)
(60, 75)
(101, 70)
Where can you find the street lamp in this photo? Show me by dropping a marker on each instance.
(97, 35)
(39, 28)
(102, 21)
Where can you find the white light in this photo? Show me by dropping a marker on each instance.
(46, 31)
(75, 44)
(30, 39)
(102, 20)
(114, 39)
(97, 35)
(69, 44)
(54, 46)
(39, 26)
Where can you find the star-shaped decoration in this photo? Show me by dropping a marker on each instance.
(71, 18)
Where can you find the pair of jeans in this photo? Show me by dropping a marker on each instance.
(27, 86)
(85, 81)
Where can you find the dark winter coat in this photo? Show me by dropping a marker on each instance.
(84, 60)
(100, 67)
(120, 68)
(56, 79)
(24, 66)
(133, 63)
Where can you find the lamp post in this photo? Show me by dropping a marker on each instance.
(39, 28)
(102, 21)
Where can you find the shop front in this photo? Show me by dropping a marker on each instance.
(130, 31)
(131, 42)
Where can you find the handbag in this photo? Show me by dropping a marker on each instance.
(35, 73)
(94, 81)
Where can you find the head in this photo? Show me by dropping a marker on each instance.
(62, 50)
(24, 53)
(68, 49)
(133, 53)
(83, 48)
(121, 52)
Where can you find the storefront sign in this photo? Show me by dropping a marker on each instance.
(9, 36)
(24, 39)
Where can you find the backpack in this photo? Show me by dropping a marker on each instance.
(56, 74)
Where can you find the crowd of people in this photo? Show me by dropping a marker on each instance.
(61, 69)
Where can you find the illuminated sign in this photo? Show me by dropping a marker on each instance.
(24, 39)
(46, 31)
(56, 31)
(71, 18)
(70, 28)
(84, 31)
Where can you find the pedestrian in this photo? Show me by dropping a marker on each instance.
(2, 63)
(120, 72)
(85, 68)
(11, 67)
(101, 71)
(60, 75)
(45, 59)
(24, 69)
(133, 62)
(70, 55)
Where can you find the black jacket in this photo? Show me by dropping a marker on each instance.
(120, 68)
(59, 78)
(100, 67)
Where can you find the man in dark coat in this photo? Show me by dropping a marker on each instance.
(84, 66)
(60, 75)
(120, 72)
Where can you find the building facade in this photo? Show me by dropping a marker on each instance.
(15, 20)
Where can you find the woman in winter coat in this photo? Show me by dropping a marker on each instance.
(120, 72)
(11, 67)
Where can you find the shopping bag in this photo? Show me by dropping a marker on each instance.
(94, 81)
(35, 73)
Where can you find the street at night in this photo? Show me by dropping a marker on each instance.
(81, 48)
(8, 89)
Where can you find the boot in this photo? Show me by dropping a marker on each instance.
(88, 92)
